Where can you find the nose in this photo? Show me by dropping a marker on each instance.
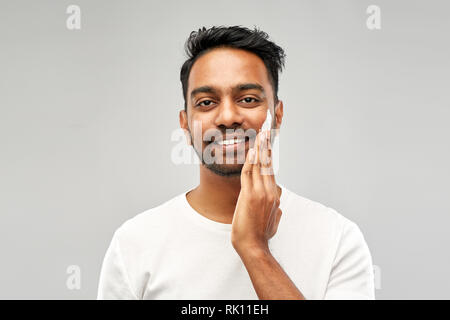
(228, 114)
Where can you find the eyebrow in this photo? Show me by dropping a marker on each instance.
(203, 89)
(248, 86)
(237, 88)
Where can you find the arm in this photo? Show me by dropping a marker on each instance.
(268, 278)
(255, 221)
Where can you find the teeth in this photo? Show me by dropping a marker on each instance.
(230, 141)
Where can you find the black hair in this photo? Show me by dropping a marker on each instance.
(255, 41)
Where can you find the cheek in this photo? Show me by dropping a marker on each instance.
(202, 126)
(197, 128)
(200, 120)
(255, 120)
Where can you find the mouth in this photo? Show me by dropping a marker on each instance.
(232, 143)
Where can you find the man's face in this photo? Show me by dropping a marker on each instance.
(229, 93)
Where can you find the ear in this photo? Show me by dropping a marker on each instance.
(278, 114)
(184, 124)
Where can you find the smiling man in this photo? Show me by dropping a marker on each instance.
(239, 234)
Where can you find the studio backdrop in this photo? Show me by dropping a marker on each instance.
(89, 103)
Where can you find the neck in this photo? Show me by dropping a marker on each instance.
(216, 196)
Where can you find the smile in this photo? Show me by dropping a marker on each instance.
(230, 141)
(234, 144)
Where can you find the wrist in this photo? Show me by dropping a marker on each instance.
(252, 250)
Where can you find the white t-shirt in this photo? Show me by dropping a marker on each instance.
(173, 252)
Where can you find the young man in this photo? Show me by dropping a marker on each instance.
(239, 234)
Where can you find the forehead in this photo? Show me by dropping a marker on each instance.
(223, 68)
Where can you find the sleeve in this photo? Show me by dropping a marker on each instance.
(352, 274)
(114, 282)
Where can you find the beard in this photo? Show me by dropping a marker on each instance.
(221, 169)
(225, 170)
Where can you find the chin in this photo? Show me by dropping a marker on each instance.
(225, 170)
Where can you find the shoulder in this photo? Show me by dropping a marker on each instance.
(308, 218)
(149, 225)
(299, 207)
(330, 231)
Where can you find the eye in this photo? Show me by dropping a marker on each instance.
(205, 103)
(249, 100)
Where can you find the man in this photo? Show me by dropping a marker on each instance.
(239, 234)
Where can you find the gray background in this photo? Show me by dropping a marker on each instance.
(87, 115)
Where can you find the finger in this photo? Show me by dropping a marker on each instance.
(267, 172)
(247, 169)
(275, 222)
(279, 213)
(271, 219)
(258, 183)
(265, 150)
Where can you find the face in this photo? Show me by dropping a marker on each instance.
(228, 96)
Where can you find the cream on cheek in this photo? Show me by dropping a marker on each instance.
(267, 124)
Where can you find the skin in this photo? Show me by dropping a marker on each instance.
(239, 194)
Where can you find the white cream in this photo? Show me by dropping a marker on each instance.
(267, 125)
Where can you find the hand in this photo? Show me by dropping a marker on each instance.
(257, 212)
